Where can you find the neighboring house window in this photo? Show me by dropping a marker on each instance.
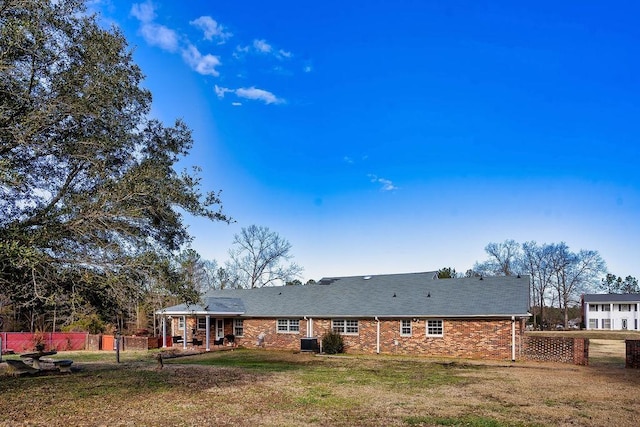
(593, 323)
(202, 323)
(606, 323)
(180, 322)
(606, 307)
(238, 327)
(625, 307)
(434, 328)
(635, 324)
(405, 328)
(593, 307)
(347, 327)
(287, 326)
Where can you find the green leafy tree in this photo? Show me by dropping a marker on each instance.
(447, 273)
(617, 285)
(90, 196)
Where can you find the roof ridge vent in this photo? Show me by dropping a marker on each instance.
(367, 277)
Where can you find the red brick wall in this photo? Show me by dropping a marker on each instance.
(556, 349)
(633, 354)
(461, 338)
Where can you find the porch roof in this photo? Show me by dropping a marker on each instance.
(220, 306)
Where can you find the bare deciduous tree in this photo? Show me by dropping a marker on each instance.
(503, 259)
(260, 257)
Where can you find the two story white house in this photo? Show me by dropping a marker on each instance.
(618, 312)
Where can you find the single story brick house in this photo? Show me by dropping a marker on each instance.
(415, 313)
(618, 312)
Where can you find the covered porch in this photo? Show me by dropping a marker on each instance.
(214, 324)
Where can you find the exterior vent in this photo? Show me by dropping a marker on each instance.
(367, 277)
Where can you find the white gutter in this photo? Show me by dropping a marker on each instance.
(377, 335)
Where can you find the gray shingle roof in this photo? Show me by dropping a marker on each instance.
(623, 298)
(391, 295)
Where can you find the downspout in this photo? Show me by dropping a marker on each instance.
(513, 338)
(208, 331)
(184, 333)
(164, 331)
(377, 335)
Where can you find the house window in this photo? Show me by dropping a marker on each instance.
(593, 307)
(180, 322)
(347, 327)
(405, 328)
(202, 323)
(593, 323)
(238, 327)
(625, 307)
(606, 323)
(288, 326)
(434, 328)
(606, 307)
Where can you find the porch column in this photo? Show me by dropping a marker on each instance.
(164, 331)
(184, 332)
(208, 328)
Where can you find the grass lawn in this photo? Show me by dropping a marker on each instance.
(257, 387)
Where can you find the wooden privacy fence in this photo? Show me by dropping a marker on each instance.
(21, 342)
(108, 342)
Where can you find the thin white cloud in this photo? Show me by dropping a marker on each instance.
(240, 51)
(154, 34)
(262, 46)
(144, 12)
(211, 29)
(347, 159)
(307, 69)
(161, 36)
(386, 184)
(258, 95)
(236, 104)
(202, 64)
(284, 54)
(221, 91)
(251, 93)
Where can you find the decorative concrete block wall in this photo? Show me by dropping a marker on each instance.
(556, 349)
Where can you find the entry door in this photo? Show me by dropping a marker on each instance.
(219, 328)
(624, 323)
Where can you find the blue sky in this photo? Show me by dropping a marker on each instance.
(388, 137)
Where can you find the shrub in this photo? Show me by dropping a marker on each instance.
(332, 343)
(88, 323)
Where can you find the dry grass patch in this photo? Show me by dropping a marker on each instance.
(268, 388)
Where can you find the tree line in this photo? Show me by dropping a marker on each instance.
(92, 202)
(92, 229)
(558, 276)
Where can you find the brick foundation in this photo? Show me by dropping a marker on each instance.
(633, 354)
